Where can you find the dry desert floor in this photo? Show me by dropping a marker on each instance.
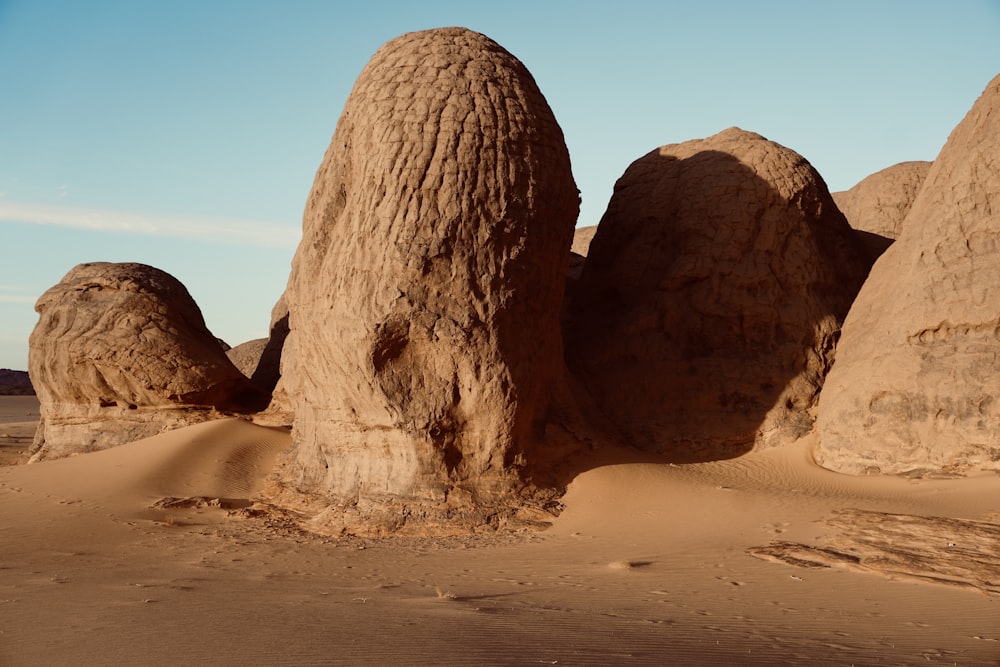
(154, 553)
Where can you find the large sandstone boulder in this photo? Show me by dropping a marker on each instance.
(424, 296)
(121, 352)
(712, 297)
(917, 377)
(877, 205)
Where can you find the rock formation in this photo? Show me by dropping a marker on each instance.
(712, 297)
(121, 352)
(917, 376)
(877, 205)
(260, 359)
(578, 251)
(246, 355)
(15, 383)
(425, 293)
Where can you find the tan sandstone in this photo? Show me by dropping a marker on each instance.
(424, 297)
(121, 352)
(917, 376)
(712, 297)
(877, 205)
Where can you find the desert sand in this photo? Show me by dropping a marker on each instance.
(647, 564)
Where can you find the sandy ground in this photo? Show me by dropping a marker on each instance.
(18, 420)
(647, 565)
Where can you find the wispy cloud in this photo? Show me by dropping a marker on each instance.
(216, 230)
(16, 294)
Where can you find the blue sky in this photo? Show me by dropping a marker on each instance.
(186, 134)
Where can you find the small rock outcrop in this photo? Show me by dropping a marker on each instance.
(712, 296)
(877, 205)
(15, 383)
(121, 352)
(246, 355)
(424, 296)
(260, 359)
(578, 251)
(917, 378)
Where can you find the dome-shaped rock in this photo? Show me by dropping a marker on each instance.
(877, 205)
(424, 296)
(712, 296)
(121, 352)
(917, 378)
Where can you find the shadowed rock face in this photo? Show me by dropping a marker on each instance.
(121, 352)
(877, 205)
(712, 296)
(917, 376)
(424, 296)
(260, 359)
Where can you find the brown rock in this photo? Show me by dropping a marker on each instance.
(710, 302)
(578, 251)
(246, 356)
(15, 383)
(424, 296)
(121, 352)
(917, 376)
(260, 359)
(877, 205)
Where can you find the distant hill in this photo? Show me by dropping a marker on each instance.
(15, 383)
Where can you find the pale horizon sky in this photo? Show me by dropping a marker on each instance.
(186, 135)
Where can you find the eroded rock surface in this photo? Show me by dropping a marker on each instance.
(877, 205)
(121, 352)
(917, 376)
(260, 359)
(712, 296)
(424, 296)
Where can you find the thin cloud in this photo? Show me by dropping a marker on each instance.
(216, 230)
(12, 298)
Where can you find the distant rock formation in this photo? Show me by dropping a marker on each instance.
(917, 378)
(121, 352)
(424, 296)
(15, 383)
(877, 205)
(260, 359)
(578, 251)
(246, 355)
(712, 297)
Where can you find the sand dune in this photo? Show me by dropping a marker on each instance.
(648, 564)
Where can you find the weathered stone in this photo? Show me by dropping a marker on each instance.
(121, 352)
(246, 356)
(260, 359)
(578, 251)
(424, 296)
(711, 300)
(917, 376)
(15, 383)
(877, 205)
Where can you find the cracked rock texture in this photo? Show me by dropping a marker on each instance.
(424, 297)
(877, 205)
(712, 297)
(917, 377)
(121, 352)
